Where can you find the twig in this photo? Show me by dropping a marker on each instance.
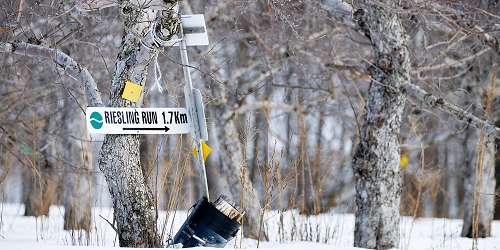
(459, 113)
(68, 64)
(111, 224)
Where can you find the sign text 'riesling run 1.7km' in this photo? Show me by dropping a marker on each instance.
(137, 120)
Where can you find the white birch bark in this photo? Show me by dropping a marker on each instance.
(376, 159)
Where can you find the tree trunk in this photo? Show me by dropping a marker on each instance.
(133, 203)
(318, 161)
(376, 159)
(77, 159)
(259, 155)
(6, 160)
(454, 166)
(497, 175)
(478, 193)
(305, 194)
(479, 172)
(234, 171)
(232, 167)
(40, 180)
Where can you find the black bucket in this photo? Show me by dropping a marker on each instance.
(207, 226)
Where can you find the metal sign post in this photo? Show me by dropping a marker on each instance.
(194, 31)
(195, 109)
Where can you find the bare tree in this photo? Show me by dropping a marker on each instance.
(376, 160)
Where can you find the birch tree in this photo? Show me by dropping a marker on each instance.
(376, 159)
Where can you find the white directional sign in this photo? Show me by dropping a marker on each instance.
(138, 120)
(194, 31)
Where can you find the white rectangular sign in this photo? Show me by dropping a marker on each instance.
(194, 29)
(102, 120)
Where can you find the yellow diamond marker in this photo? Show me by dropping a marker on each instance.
(206, 150)
(404, 161)
(132, 91)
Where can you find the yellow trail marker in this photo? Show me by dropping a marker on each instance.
(404, 160)
(206, 150)
(132, 91)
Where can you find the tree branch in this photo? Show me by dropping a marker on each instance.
(264, 104)
(486, 38)
(70, 66)
(443, 105)
(440, 103)
(91, 5)
(468, 26)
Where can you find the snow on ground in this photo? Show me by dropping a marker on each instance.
(287, 231)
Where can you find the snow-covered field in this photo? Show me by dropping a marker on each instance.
(287, 231)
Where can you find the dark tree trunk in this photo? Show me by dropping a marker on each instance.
(497, 175)
(479, 172)
(478, 201)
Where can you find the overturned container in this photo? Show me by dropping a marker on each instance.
(209, 224)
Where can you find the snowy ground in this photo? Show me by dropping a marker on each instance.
(287, 231)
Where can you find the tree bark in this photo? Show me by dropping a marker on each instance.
(40, 180)
(6, 160)
(233, 178)
(318, 161)
(478, 193)
(134, 207)
(305, 192)
(376, 159)
(77, 161)
(234, 172)
(479, 173)
(454, 167)
(497, 175)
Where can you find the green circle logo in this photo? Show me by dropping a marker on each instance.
(96, 120)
